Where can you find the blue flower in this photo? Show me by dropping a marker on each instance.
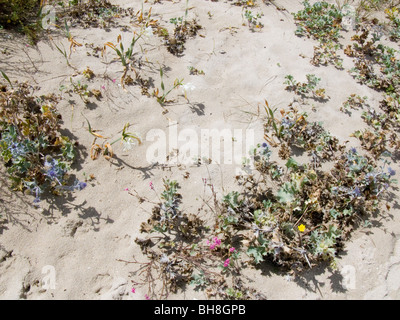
(391, 171)
(79, 185)
(17, 149)
(54, 170)
(356, 192)
(52, 173)
(34, 188)
(371, 177)
(287, 123)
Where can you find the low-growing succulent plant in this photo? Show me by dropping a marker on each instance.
(305, 88)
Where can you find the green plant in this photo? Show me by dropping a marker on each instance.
(293, 129)
(306, 217)
(323, 243)
(325, 53)
(272, 122)
(105, 149)
(23, 15)
(199, 280)
(6, 78)
(321, 21)
(92, 13)
(81, 89)
(183, 30)
(175, 21)
(368, 53)
(182, 249)
(375, 119)
(305, 87)
(125, 55)
(252, 20)
(73, 45)
(353, 102)
(394, 17)
(88, 73)
(365, 8)
(297, 218)
(36, 155)
(195, 71)
(162, 98)
(373, 141)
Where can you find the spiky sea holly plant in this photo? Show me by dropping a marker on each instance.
(37, 157)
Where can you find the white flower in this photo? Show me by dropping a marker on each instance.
(148, 32)
(164, 259)
(188, 87)
(128, 144)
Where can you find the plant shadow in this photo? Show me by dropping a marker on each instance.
(66, 205)
(198, 108)
(14, 207)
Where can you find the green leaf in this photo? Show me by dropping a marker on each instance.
(67, 32)
(334, 213)
(232, 199)
(292, 164)
(257, 253)
(286, 193)
(6, 77)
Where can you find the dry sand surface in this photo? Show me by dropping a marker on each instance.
(81, 238)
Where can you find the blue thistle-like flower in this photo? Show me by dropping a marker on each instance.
(53, 170)
(80, 185)
(17, 149)
(356, 192)
(287, 123)
(391, 171)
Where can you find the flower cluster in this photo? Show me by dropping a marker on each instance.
(216, 242)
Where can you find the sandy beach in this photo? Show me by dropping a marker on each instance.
(74, 247)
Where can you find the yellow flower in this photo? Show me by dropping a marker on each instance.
(301, 227)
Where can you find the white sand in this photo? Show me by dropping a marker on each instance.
(82, 237)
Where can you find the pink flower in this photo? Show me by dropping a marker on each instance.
(114, 80)
(226, 263)
(126, 189)
(216, 242)
(232, 249)
(146, 297)
(103, 87)
(151, 185)
(133, 290)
